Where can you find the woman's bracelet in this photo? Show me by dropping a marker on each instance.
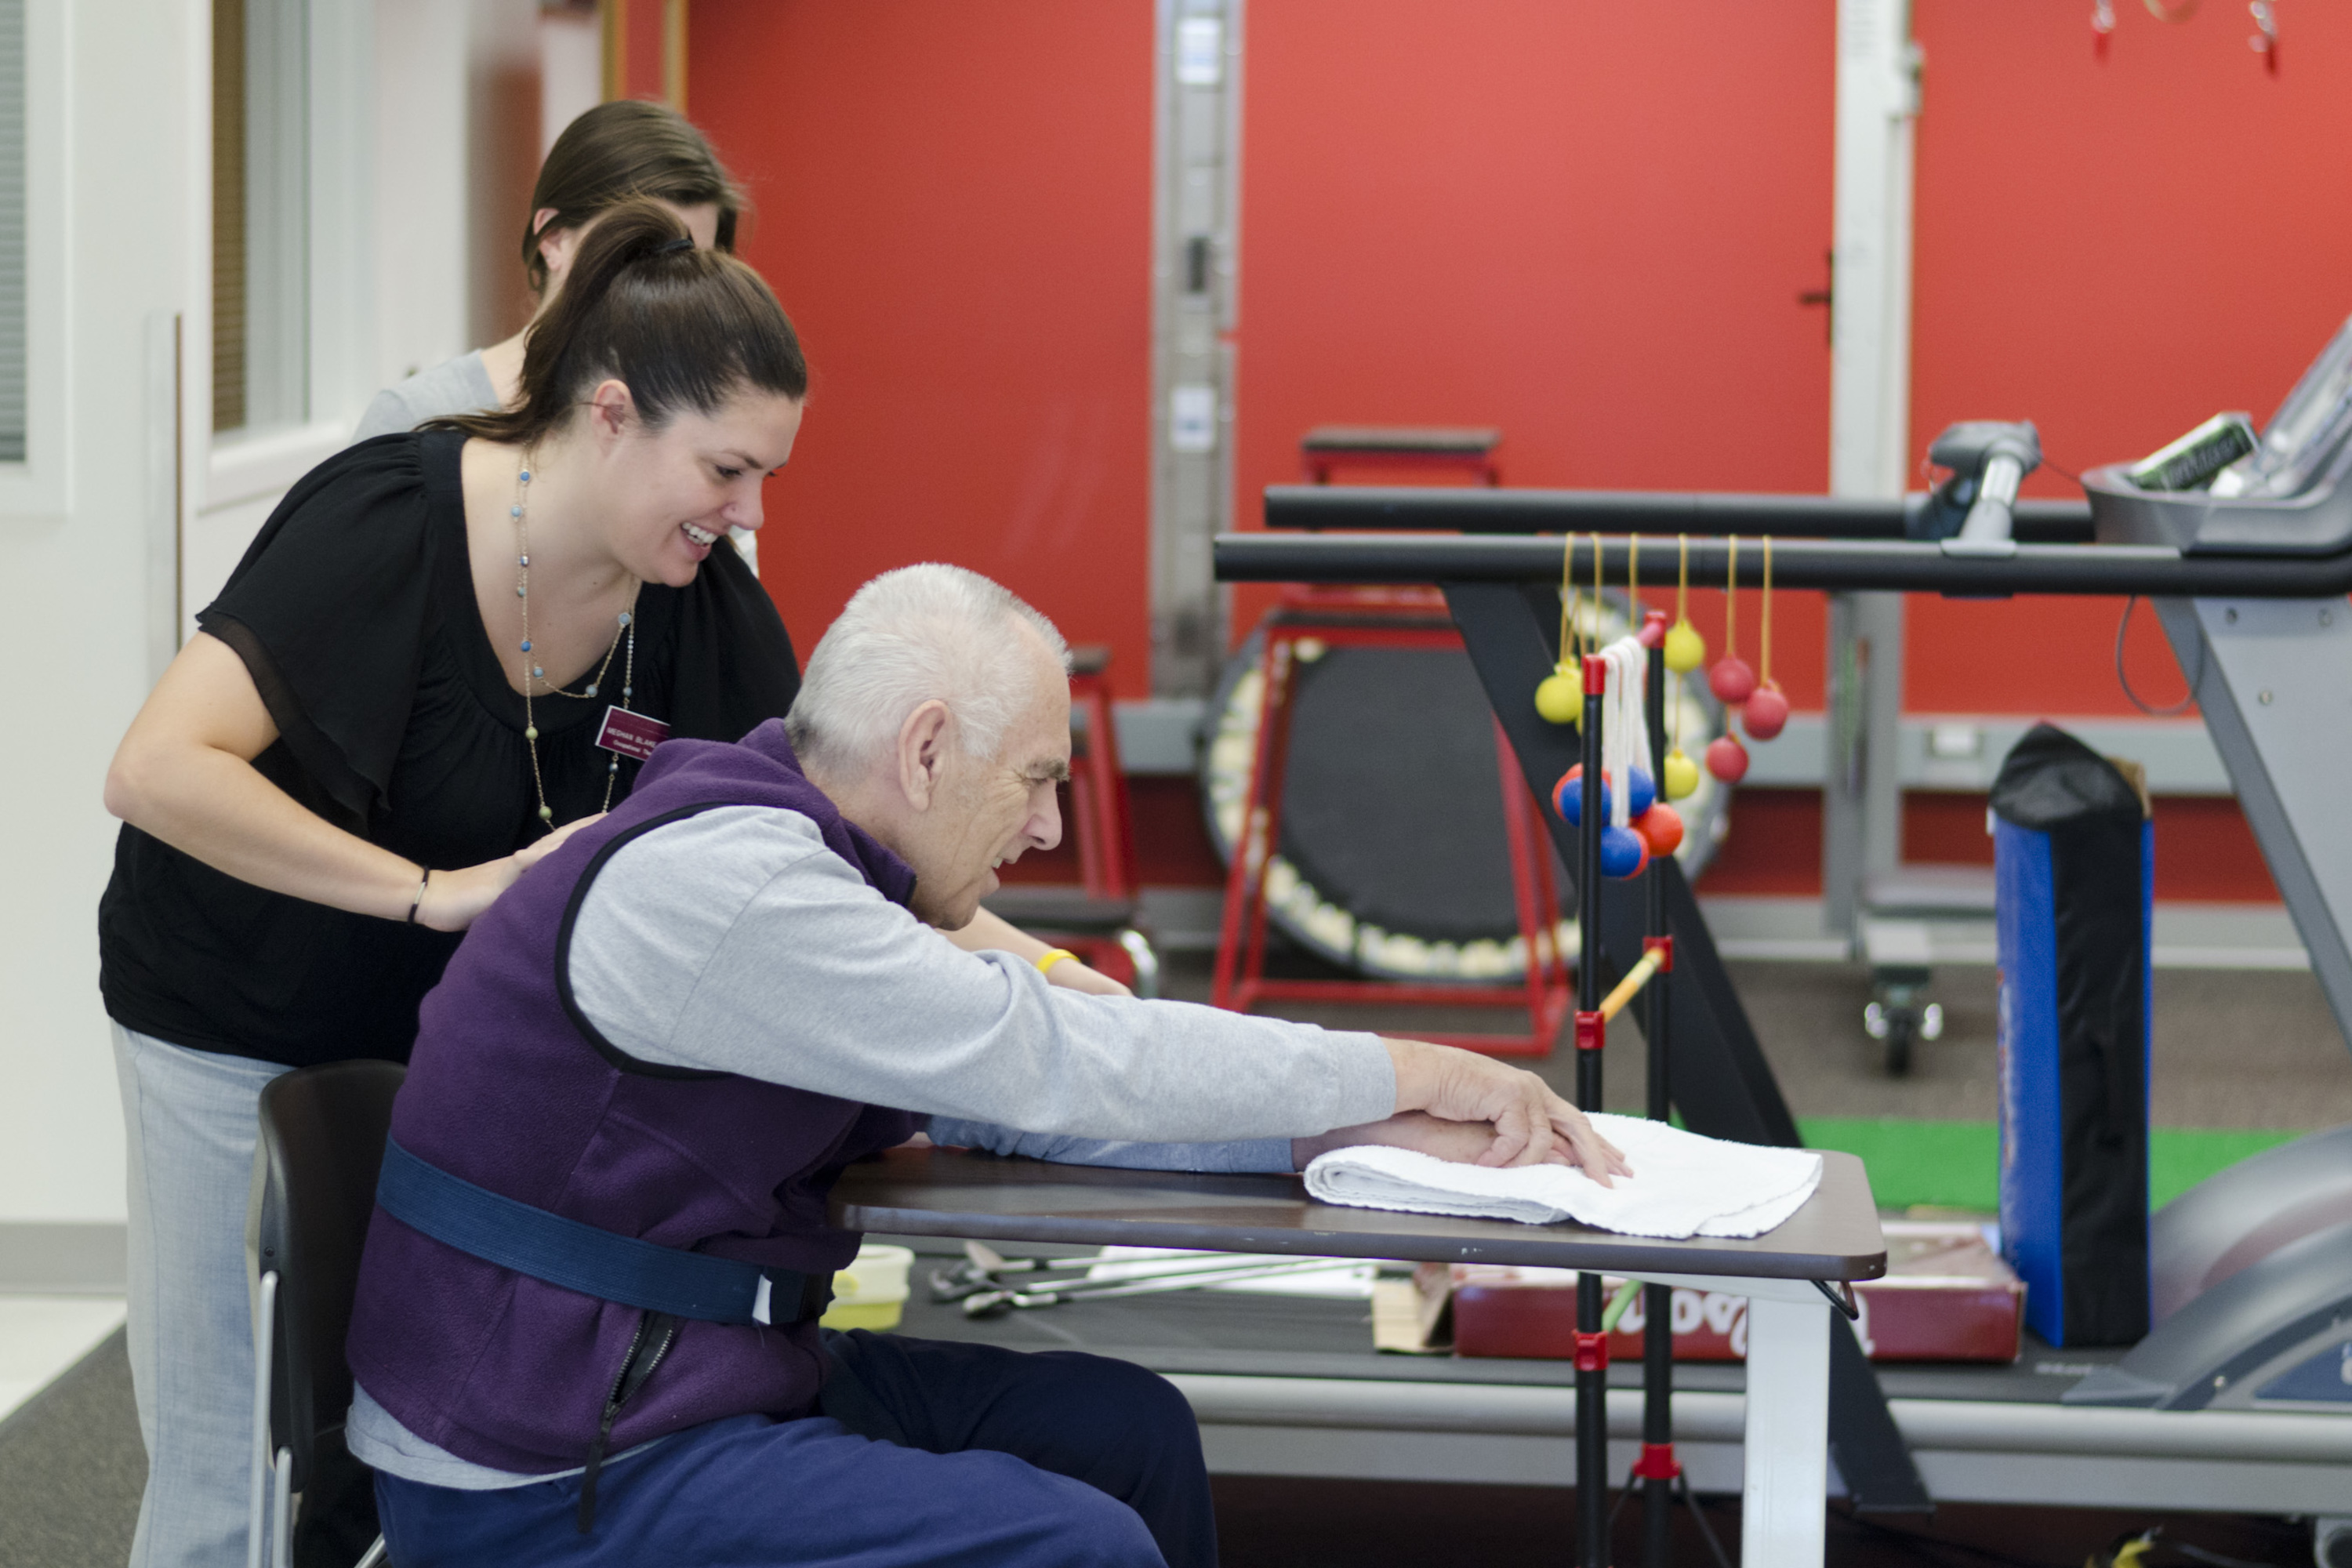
(1046, 959)
(418, 902)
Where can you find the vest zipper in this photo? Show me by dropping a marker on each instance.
(656, 1331)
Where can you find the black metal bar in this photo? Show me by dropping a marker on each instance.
(1592, 1382)
(1873, 1460)
(1386, 508)
(1862, 565)
(1657, 1300)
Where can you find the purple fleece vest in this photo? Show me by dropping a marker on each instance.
(506, 1090)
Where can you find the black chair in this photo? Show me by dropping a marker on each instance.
(322, 1136)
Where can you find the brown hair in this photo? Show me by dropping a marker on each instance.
(617, 150)
(680, 328)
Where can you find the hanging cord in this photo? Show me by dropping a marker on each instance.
(1567, 626)
(1764, 671)
(1731, 603)
(2124, 680)
(1682, 616)
(1596, 593)
(1625, 734)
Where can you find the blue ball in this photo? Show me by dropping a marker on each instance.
(1644, 792)
(1621, 851)
(1568, 796)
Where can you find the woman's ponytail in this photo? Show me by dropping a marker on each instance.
(681, 328)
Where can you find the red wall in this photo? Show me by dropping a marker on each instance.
(1585, 225)
(954, 203)
(2116, 251)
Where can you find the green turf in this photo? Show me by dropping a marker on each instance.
(1955, 1165)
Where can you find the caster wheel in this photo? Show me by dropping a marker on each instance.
(1897, 1019)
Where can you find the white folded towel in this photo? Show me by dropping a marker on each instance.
(1683, 1185)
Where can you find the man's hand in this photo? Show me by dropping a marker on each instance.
(1530, 1121)
(1463, 1142)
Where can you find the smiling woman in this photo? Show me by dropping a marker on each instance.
(444, 651)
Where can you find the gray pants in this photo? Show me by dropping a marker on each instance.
(190, 1119)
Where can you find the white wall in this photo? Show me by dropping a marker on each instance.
(75, 639)
(420, 184)
(74, 633)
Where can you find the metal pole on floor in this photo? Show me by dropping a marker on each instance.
(1657, 1466)
(1592, 1344)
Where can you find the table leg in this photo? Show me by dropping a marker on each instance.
(1785, 1505)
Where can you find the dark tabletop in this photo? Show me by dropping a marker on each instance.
(939, 1192)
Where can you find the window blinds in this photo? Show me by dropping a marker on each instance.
(11, 231)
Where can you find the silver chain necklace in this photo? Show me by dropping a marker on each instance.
(535, 676)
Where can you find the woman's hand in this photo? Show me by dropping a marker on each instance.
(185, 773)
(1530, 1121)
(454, 899)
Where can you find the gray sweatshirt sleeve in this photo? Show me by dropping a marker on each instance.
(461, 385)
(1241, 1155)
(736, 942)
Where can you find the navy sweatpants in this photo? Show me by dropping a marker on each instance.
(991, 1458)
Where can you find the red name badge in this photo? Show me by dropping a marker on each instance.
(631, 734)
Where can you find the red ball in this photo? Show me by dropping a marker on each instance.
(1767, 714)
(1727, 759)
(1731, 679)
(1654, 630)
(1662, 828)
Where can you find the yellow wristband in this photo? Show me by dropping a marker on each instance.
(1045, 961)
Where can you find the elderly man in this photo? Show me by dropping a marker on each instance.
(586, 1330)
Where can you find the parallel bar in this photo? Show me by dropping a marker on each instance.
(1838, 565)
(1367, 509)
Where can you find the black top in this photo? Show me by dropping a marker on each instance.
(354, 611)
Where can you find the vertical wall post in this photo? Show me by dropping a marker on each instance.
(1870, 418)
(1195, 211)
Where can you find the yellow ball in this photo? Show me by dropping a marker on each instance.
(1681, 775)
(1560, 698)
(1685, 649)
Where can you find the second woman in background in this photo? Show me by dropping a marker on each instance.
(614, 153)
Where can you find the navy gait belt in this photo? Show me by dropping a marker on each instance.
(589, 1260)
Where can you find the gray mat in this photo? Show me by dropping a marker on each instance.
(71, 1469)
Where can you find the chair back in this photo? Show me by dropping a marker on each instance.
(322, 1136)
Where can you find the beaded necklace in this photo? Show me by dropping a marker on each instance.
(534, 675)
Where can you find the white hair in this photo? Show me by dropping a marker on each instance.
(904, 639)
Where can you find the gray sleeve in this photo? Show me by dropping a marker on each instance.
(735, 942)
(461, 385)
(1242, 1155)
(386, 414)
